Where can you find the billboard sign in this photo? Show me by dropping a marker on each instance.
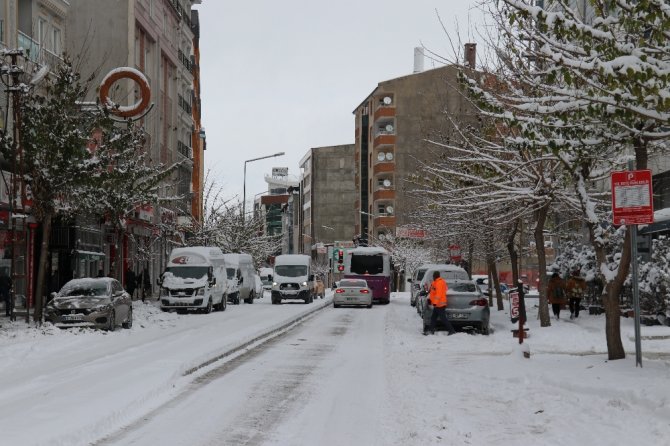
(279, 171)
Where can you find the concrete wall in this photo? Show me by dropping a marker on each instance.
(333, 193)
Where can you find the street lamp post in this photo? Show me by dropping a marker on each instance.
(244, 187)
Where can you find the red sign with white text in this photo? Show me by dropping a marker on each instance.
(632, 202)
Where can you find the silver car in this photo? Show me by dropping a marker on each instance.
(352, 292)
(467, 307)
(92, 302)
(447, 271)
(415, 286)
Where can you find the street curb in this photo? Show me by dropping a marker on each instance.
(265, 336)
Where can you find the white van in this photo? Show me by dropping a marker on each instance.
(194, 279)
(240, 273)
(293, 278)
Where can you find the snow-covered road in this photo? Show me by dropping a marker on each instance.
(319, 384)
(341, 376)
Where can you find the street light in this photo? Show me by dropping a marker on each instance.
(244, 188)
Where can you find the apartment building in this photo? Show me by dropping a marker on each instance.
(159, 38)
(37, 27)
(327, 192)
(394, 125)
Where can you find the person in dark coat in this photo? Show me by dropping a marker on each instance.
(145, 283)
(5, 289)
(575, 288)
(131, 282)
(556, 294)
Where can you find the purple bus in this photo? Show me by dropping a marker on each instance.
(372, 264)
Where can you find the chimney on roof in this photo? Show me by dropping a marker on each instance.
(418, 59)
(470, 55)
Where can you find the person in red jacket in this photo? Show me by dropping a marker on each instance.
(438, 299)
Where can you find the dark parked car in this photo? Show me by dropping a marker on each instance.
(467, 307)
(99, 303)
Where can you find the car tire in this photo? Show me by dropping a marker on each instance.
(208, 308)
(369, 306)
(129, 320)
(236, 299)
(224, 303)
(112, 321)
(485, 328)
(336, 305)
(252, 296)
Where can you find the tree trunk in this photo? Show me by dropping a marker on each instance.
(496, 285)
(43, 265)
(541, 214)
(513, 256)
(491, 264)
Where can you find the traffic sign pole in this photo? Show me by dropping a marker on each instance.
(632, 204)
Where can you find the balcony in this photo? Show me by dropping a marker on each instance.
(383, 168)
(383, 194)
(384, 112)
(383, 139)
(31, 47)
(387, 221)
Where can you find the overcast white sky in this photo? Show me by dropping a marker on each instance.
(286, 76)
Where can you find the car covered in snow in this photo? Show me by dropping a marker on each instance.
(99, 302)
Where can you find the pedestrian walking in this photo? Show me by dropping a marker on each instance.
(438, 299)
(5, 291)
(145, 283)
(575, 288)
(556, 294)
(131, 282)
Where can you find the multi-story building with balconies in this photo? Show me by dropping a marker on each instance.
(159, 38)
(31, 35)
(393, 127)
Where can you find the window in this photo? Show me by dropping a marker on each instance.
(42, 31)
(57, 48)
(2, 22)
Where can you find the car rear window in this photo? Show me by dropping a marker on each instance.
(463, 287)
(353, 283)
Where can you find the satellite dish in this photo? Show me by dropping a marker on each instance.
(381, 156)
(389, 127)
(40, 74)
(389, 209)
(389, 156)
(387, 100)
(382, 236)
(387, 183)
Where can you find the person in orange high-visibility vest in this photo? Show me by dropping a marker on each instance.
(438, 299)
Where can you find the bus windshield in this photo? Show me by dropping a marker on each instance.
(367, 264)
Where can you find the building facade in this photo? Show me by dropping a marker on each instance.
(160, 39)
(393, 127)
(328, 190)
(32, 35)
